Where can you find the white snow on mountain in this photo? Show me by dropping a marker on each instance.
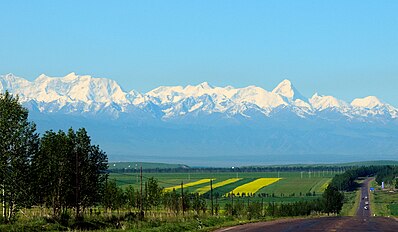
(321, 103)
(287, 90)
(89, 95)
(367, 102)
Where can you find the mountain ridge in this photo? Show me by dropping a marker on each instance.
(90, 95)
(206, 125)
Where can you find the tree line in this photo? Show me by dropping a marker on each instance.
(346, 180)
(186, 169)
(388, 175)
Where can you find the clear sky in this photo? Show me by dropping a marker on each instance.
(345, 48)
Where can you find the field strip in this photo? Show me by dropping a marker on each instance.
(320, 185)
(205, 189)
(325, 185)
(254, 186)
(190, 184)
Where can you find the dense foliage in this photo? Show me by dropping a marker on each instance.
(18, 143)
(388, 175)
(60, 170)
(346, 180)
(70, 172)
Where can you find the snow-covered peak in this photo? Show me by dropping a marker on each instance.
(84, 93)
(320, 103)
(204, 85)
(13, 83)
(287, 90)
(258, 96)
(71, 76)
(42, 77)
(73, 88)
(369, 102)
(9, 77)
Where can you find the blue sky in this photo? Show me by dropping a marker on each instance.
(345, 48)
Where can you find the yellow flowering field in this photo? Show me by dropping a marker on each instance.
(205, 189)
(254, 186)
(190, 184)
(324, 186)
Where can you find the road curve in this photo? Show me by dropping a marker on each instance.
(361, 222)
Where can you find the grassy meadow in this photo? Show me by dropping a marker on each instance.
(383, 202)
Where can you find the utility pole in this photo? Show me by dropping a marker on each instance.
(232, 204)
(136, 181)
(182, 197)
(4, 205)
(217, 206)
(77, 185)
(141, 199)
(211, 196)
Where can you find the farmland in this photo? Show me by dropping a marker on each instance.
(384, 202)
(253, 187)
(289, 187)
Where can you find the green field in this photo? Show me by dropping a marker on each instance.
(383, 202)
(293, 186)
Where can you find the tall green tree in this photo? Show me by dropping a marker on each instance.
(69, 171)
(333, 200)
(18, 143)
(52, 168)
(153, 192)
(89, 164)
(114, 197)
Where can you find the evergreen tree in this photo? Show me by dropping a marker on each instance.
(18, 142)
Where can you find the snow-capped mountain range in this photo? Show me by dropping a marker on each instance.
(211, 126)
(86, 95)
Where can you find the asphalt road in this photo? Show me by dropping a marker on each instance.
(361, 222)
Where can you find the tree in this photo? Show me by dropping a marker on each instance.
(114, 197)
(89, 164)
(198, 203)
(51, 167)
(18, 142)
(332, 200)
(131, 197)
(154, 193)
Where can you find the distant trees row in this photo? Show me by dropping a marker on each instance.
(331, 169)
(346, 180)
(60, 170)
(388, 175)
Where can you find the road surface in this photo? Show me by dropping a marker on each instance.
(361, 222)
